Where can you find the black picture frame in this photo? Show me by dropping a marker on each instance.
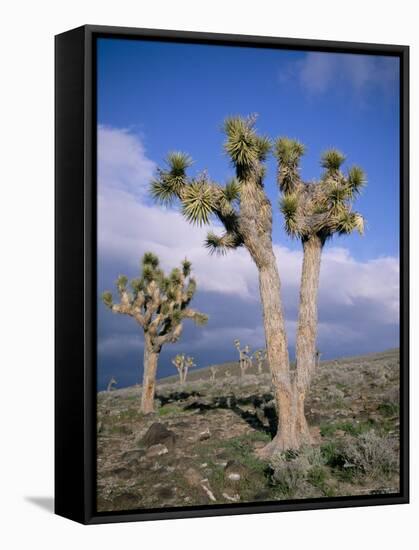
(75, 273)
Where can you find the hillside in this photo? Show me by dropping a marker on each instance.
(204, 447)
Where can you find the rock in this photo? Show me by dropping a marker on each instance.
(206, 434)
(158, 433)
(234, 471)
(157, 450)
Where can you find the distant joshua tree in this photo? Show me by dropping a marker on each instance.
(183, 364)
(314, 212)
(260, 357)
(112, 382)
(159, 303)
(213, 373)
(318, 357)
(245, 361)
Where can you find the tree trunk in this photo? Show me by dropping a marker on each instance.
(277, 354)
(293, 428)
(151, 358)
(307, 317)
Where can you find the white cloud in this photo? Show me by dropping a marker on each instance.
(122, 161)
(319, 72)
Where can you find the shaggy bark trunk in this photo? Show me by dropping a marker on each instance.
(293, 428)
(307, 317)
(151, 357)
(290, 425)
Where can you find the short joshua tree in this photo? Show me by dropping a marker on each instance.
(245, 360)
(112, 382)
(260, 357)
(159, 303)
(183, 364)
(213, 371)
(318, 357)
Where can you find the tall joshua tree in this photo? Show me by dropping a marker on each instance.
(314, 212)
(159, 303)
(245, 211)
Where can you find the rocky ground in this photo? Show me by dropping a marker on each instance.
(200, 447)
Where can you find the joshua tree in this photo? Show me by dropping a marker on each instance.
(183, 364)
(159, 303)
(314, 212)
(245, 361)
(260, 356)
(213, 373)
(318, 356)
(245, 211)
(112, 382)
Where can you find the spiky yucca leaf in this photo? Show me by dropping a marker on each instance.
(163, 191)
(198, 202)
(220, 244)
(137, 285)
(147, 273)
(176, 276)
(121, 282)
(337, 194)
(356, 179)
(332, 159)
(150, 259)
(232, 190)
(359, 223)
(176, 317)
(349, 222)
(263, 145)
(288, 206)
(178, 162)
(288, 150)
(191, 288)
(107, 299)
(186, 267)
(200, 318)
(242, 143)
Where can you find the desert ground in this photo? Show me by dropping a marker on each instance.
(201, 445)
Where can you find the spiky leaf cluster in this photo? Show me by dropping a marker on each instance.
(158, 302)
(244, 146)
(202, 199)
(322, 207)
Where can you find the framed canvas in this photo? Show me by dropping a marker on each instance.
(231, 274)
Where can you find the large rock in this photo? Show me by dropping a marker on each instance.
(158, 433)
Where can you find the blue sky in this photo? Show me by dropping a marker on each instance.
(155, 97)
